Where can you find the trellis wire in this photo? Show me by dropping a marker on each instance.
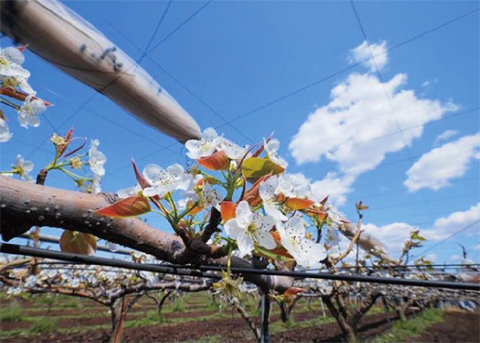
(200, 270)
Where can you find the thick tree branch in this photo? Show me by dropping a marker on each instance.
(23, 204)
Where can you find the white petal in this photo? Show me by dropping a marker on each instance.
(266, 240)
(153, 173)
(152, 191)
(209, 134)
(245, 244)
(128, 192)
(175, 169)
(243, 214)
(13, 55)
(233, 229)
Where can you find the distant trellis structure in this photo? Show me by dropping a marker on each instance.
(63, 38)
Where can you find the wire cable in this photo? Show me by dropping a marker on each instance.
(200, 271)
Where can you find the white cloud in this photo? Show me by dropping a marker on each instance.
(334, 186)
(476, 247)
(431, 257)
(446, 226)
(435, 168)
(394, 235)
(429, 82)
(357, 128)
(364, 52)
(446, 136)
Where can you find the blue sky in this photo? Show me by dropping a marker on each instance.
(287, 67)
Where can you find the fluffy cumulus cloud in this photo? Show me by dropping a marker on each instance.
(371, 56)
(446, 226)
(358, 127)
(435, 168)
(364, 121)
(334, 186)
(394, 235)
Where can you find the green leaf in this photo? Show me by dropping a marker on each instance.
(255, 167)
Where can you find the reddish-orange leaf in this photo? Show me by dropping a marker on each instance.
(78, 242)
(195, 209)
(324, 201)
(292, 291)
(217, 161)
(281, 251)
(298, 203)
(227, 209)
(276, 237)
(252, 196)
(129, 207)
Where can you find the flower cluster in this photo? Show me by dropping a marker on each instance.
(264, 211)
(14, 84)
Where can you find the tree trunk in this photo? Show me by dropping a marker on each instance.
(249, 321)
(162, 302)
(119, 311)
(265, 314)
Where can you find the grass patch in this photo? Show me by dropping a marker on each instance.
(73, 303)
(12, 313)
(44, 325)
(411, 328)
(179, 305)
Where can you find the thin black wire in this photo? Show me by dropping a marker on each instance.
(179, 26)
(394, 112)
(420, 35)
(159, 66)
(155, 32)
(341, 71)
(200, 271)
(110, 83)
(347, 173)
(446, 239)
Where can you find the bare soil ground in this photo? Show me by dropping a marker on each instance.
(456, 327)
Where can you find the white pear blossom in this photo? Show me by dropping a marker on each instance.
(96, 188)
(18, 81)
(28, 112)
(292, 185)
(164, 181)
(148, 277)
(22, 168)
(271, 147)
(249, 228)
(205, 146)
(10, 63)
(96, 159)
(332, 240)
(5, 134)
(233, 151)
(267, 193)
(209, 197)
(30, 281)
(292, 234)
